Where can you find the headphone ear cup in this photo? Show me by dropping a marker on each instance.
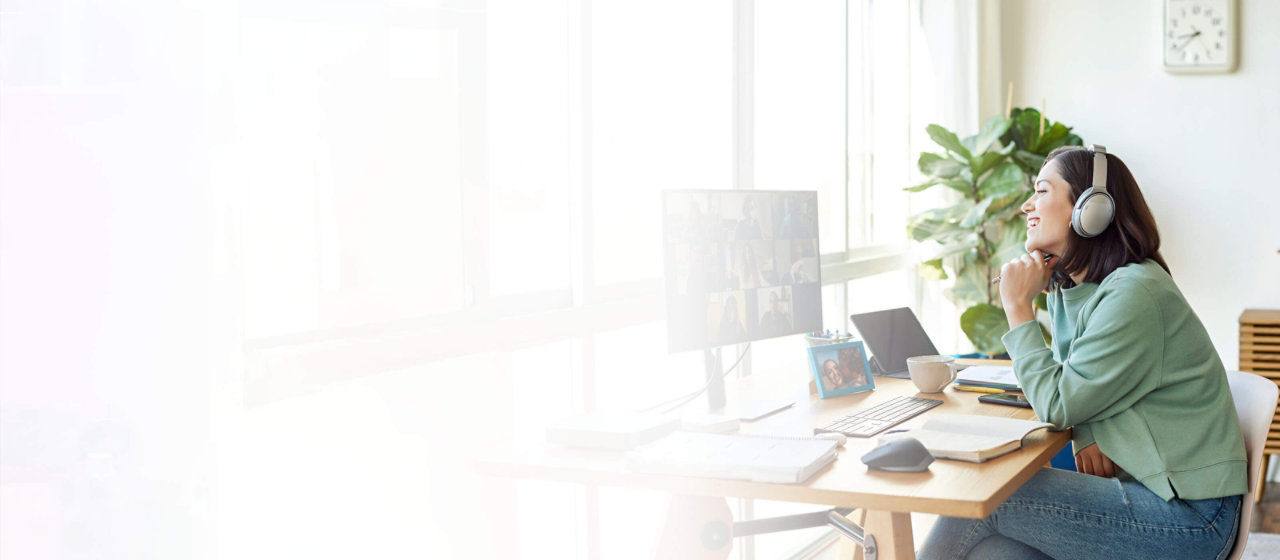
(1093, 213)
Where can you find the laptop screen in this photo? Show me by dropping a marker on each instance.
(892, 336)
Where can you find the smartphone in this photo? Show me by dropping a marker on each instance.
(1011, 399)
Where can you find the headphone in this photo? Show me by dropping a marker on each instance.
(1095, 208)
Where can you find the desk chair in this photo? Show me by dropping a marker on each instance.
(1255, 398)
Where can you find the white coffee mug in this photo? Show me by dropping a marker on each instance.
(931, 374)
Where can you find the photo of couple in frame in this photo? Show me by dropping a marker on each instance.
(840, 369)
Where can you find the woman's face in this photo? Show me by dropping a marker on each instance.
(1048, 212)
(829, 368)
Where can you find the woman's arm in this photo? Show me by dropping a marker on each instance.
(1114, 361)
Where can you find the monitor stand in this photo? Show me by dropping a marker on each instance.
(715, 379)
(719, 417)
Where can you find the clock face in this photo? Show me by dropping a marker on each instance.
(1199, 34)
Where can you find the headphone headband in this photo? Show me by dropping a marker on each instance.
(1099, 167)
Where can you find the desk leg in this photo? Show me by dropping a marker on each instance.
(892, 532)
(696, 527)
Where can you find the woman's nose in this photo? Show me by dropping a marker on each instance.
(1026, 206)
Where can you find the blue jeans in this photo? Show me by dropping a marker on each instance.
(1061, 515)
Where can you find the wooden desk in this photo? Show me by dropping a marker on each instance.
(951, 488)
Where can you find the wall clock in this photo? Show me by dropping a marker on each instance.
(1200, 35)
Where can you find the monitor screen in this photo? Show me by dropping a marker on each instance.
(741, 265)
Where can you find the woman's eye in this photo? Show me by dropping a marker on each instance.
(1041, 191)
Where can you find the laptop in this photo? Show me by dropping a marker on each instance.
(892, 336)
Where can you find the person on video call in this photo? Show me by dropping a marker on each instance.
(1132, 371)
(798, 274)
(749, 226)
(749, 275)
(731, 329)
(775, 319)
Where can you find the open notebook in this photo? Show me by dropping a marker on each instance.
(737, 456)
(971, 437)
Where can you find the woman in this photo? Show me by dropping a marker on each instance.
(1132, 370)
(749, 273)
(731, 329)
(831, 373)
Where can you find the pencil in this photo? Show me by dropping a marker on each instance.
(975, 389)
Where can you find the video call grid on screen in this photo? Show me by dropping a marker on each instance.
(741, 265)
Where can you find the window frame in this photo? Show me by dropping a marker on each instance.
(284, 365)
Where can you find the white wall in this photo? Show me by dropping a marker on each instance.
(1203, 147)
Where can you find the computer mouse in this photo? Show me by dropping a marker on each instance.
(901, 454)
(837, 437)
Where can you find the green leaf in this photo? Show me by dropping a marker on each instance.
(959, 184)
(935, 165)
(1004, 180)
(960, 245)
(976, 213)
(954, 183)
(925, 230)
(1008, 206)
(948, 140)
(991, 131)
(1026, 123)
(1053, 137)
(1031, 163)
(932, 270)
(1011, 241)
(946, 213)
(942, 231)
(985, 162)
(971, 281)
(984, 324)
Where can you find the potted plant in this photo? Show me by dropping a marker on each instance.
(970, 239)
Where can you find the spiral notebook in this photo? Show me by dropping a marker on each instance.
(734, 456)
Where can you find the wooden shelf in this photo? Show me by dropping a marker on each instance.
(1260, 354)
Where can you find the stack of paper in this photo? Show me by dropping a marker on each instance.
(1000, 377)
(746, 457)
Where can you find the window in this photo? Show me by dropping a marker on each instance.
(527, 92)
(352, 168)
(486, 177)
(660, 118)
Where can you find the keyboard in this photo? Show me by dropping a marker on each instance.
(871, 421)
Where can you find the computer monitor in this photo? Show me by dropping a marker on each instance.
(741, 265)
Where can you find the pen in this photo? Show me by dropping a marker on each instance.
(996, 280)
(974, 389)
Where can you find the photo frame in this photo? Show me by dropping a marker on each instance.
(840, 369)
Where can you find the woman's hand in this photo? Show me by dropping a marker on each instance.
(1091, 461)
(1021, 280)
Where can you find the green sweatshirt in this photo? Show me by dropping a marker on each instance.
(1133, 369)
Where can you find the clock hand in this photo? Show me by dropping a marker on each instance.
(1202, 44)
(1193, 36)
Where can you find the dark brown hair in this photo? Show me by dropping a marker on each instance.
(1131, 237)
